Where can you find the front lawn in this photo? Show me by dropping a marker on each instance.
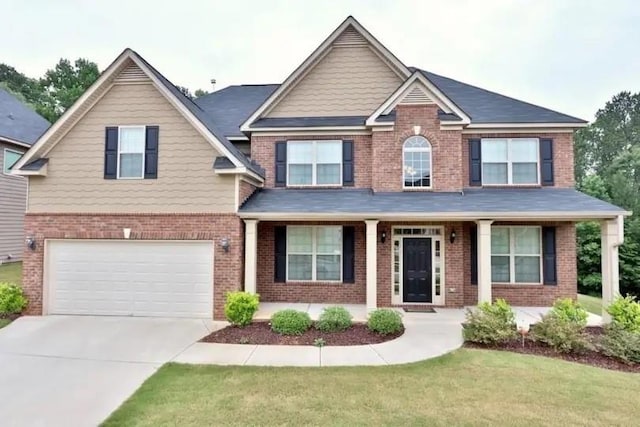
(467, 387)
(591, 304)
(11, 272)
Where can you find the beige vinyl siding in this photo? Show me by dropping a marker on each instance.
(348, 81)
(13, 198)
(186, 181)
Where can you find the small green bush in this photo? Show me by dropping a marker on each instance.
(620, 343)
(570, 310)
(490, 324)
(240, 308)
(290, 322)
(625, 311)
(12, 299)
(385, 321)
(334, 319)
(562, 335)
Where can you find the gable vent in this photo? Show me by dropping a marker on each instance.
(417, 95)
(350, 37)
(132, 73)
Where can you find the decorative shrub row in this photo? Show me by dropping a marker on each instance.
(12, 299)
(240, 308)
(490, 324)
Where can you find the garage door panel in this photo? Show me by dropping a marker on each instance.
(139, 278)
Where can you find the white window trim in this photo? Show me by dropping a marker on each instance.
(144, 128)
(510, 163)
(314, 163)
(428, 149)
(4, 160)
(314, 253)
(512, 256)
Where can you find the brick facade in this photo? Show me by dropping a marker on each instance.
(228, 266)
(246, 190)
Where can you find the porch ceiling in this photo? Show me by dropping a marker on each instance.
(557, 204)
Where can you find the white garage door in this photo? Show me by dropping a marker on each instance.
(130, 278)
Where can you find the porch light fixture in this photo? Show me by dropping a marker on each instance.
(452, 236)
(383, 237)
(225, 244)
(31, 243)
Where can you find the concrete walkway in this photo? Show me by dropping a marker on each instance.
(426, 335)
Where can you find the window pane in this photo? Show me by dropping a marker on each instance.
(300, 152)
(524, 150)
(499, 240)
(299, 240)
(328, 267)
(527, 240)
(329, 152)
(416, 142)
(130, 165)
(300, 174)
(524, 173)
(328, 174)
(527, 269)
(494, 151)
(300, 267)
(500, 269)
(494, 173)
(132, 140)
(417, 169)
(329, 240)
(10, 159)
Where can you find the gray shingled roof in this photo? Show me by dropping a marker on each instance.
(18, 122)
(231, 106)
(488, 201)
(206, 119)
(35, 165)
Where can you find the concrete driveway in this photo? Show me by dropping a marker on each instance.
(75, 370)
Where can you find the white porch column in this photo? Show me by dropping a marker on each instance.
(372, 263)
(612, 236)
(250, 255)
(484, 260)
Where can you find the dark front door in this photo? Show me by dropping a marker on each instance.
(416, 269)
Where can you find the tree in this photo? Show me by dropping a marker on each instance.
(25, 88)
(201, 92)
(186, 92)
(63, 85)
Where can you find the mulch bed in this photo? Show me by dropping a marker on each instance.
(592, 358)
(11, 317)
(261, 333)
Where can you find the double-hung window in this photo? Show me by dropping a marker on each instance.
(507, 161)
(10, 159)
(314, 253)
(131, 149)
(314, 163)
(516, 255)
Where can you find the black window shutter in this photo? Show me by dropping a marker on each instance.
(111, 153)
(280, 238)
(151, 153)
(473, 234)
(475, 163)
(347, 163)
(549, 256)
(348, 254)
(546, 161)
(281, 163)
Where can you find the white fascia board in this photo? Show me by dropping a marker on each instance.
(525, 125)
(14, 142)
(40, 172)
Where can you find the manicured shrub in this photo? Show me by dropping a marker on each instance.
(290, 322)
(490, 324)
(12, 299)
(240, 307)
(620, 343)
(334, 319)
(564, 336)
(570, 310)
(625, 311)
(385, 321)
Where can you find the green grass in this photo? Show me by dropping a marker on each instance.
(4, 322)
(11, 272)
(591, 304)
(467, 387)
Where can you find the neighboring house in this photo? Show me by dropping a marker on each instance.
(20, 127)
(369, 182)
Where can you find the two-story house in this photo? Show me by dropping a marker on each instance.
(357, 180)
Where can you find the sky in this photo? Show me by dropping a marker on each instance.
(570, 56)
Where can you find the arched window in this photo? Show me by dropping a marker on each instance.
(416, 162)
